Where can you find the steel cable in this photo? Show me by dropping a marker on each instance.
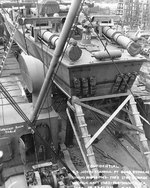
(117, 68)
(14, 104)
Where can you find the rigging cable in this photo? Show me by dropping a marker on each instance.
(105, 47)
(57, 67)
(44, 69)
(51, 105)
(11, 100)
(106, 155)
(98, 117)
(57, 157)
(117, 68)
(29, 123)
(14, 104)
(21, 113)
(39, 133)
(23, 29)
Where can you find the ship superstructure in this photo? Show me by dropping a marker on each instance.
(88, 70)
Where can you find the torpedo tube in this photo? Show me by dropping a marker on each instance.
(73, 51)
(132, 47)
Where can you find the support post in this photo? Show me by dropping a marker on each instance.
(79, 143)
(69, 130)
(129, 125)
(107, 122)
(86, 137)
(142, 138)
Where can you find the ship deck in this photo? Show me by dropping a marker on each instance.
(108, 150)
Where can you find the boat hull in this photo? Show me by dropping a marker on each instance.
(87, 68)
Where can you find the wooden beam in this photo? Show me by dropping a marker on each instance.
(104, 97)
(86, 138)
(108, 121)
(144, 147)
(130, 126)
(79, 143)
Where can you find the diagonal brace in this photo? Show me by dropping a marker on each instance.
(129, 125)
(108, 121)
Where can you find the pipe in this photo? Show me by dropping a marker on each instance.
(57, 53)
(132, 47)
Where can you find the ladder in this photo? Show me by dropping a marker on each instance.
(8, 48)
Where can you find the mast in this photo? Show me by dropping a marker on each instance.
(57, 53)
